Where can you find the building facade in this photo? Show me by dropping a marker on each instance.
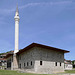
(3, 62)
(42, 60)
(73, 63)
(37, 58)
(68, 64)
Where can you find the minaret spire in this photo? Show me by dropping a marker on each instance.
(17, 8)
(16, 30)
(17, 11)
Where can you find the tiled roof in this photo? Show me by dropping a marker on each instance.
(42, 46)
(36, 45)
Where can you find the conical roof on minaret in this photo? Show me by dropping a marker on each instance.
(17, 11)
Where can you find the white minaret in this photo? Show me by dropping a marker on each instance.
(16, 30)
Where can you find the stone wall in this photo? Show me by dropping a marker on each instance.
(48, 58)
(26, 58)
(15, 62)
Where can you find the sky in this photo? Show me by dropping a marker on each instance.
(48, 22)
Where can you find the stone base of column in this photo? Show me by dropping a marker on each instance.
(15, 62)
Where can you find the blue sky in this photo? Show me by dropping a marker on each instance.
(48, 22)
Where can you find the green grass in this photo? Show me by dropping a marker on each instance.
(70, 71)
(9, 72)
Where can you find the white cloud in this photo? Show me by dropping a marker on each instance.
(44, 3)
(7, 11)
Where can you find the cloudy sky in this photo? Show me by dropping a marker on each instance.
(48, 22)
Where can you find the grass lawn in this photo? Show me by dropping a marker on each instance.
(70, 71)
(9, 72)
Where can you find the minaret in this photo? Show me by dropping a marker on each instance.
(15, 58)
(16, 30)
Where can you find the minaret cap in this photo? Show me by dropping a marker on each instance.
(17, 14)
(17, 11)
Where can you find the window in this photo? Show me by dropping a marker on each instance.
(31, 62)
(20, 66)
(40, 62)
(0, 64)
(24, 64)
(27, 63)
(9, 63)
(60, 64)
(55, 63)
